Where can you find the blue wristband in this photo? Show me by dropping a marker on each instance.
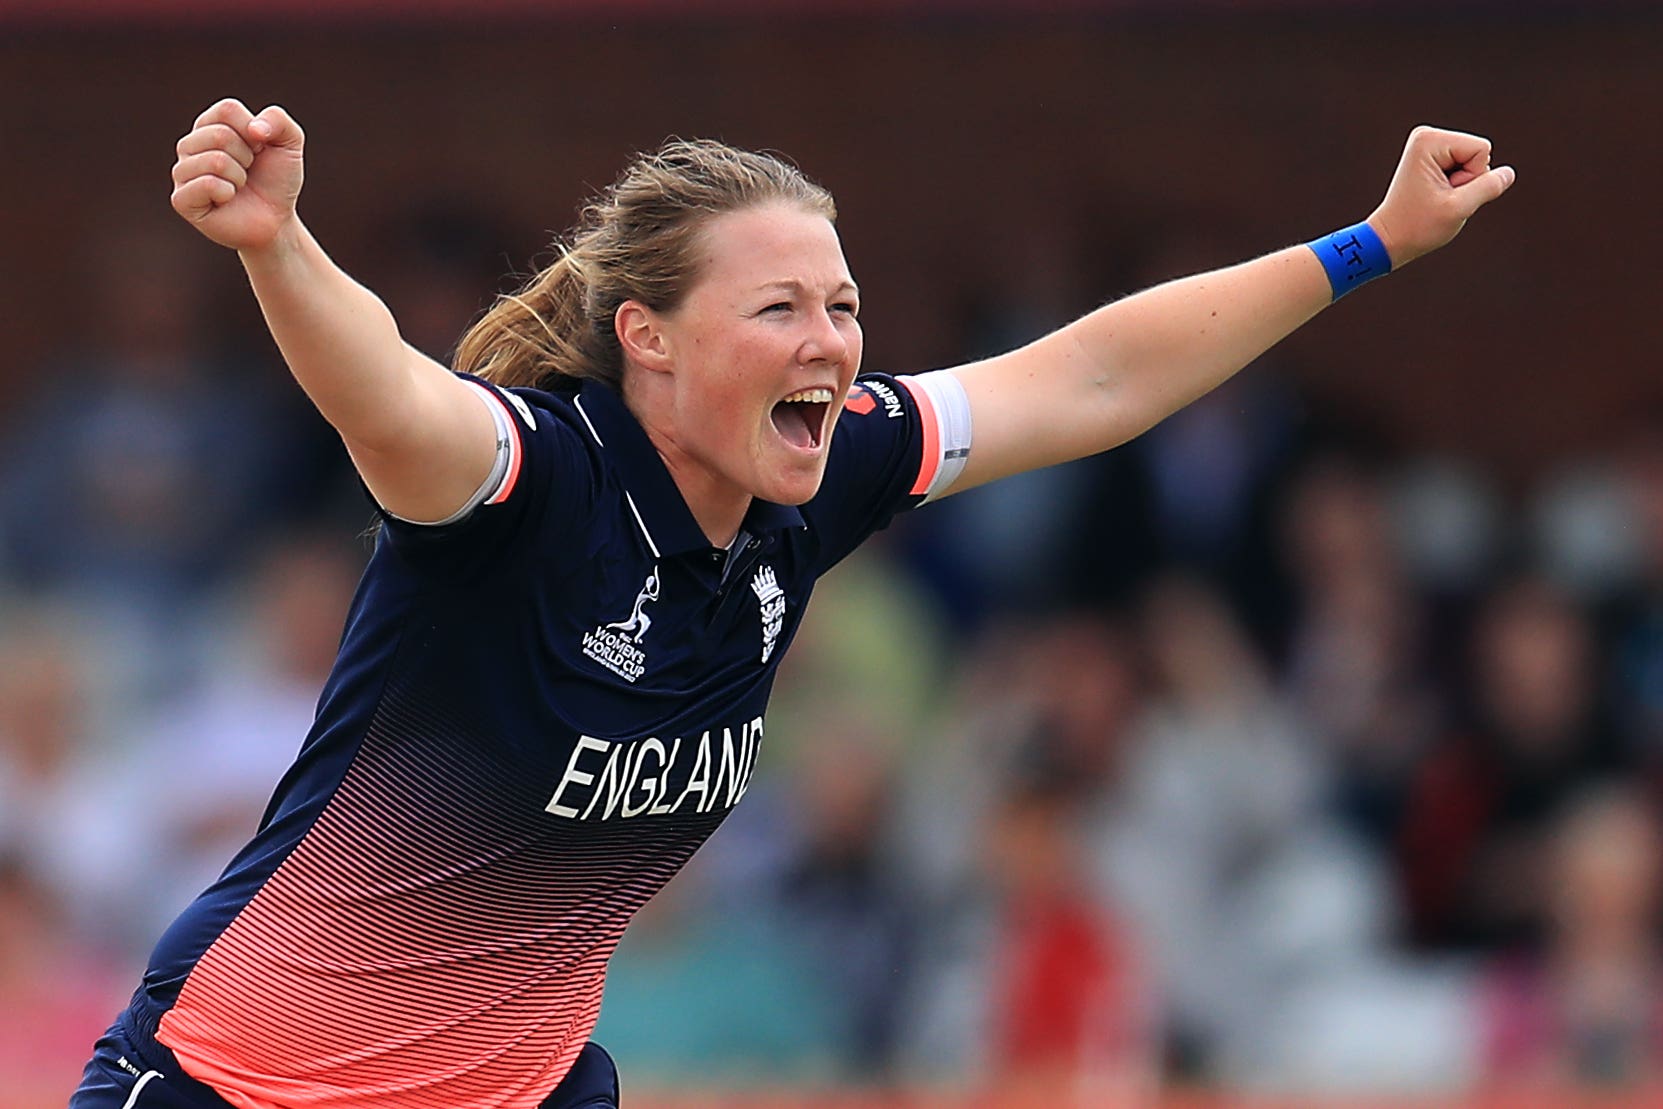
(1352, 256)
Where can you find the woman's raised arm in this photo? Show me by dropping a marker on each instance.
(1116, 372)
(420, 438)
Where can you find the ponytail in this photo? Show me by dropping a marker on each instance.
(541, 333)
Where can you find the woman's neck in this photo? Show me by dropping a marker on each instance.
(717, 504)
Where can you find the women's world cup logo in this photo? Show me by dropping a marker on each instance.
(616, 646)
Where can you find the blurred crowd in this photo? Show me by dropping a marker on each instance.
(1264, 753)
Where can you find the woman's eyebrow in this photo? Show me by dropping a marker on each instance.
(793, 285)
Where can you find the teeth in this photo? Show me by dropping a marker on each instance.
(809, 396)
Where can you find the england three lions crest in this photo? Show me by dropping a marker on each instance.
(772, 599)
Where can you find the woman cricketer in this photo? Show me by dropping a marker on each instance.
(599, 535)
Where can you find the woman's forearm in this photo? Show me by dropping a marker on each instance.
(338, 338)
(1156, 351)
(1111, 375)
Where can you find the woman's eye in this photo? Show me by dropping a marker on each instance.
(846, 308)
(781, 306)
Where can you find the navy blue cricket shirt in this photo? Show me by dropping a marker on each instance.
(538, 714)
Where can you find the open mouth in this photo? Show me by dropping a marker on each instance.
(800, 418)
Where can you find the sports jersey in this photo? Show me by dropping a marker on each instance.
(541, 708)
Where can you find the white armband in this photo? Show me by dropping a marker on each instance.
(944, 408)
(505, 467)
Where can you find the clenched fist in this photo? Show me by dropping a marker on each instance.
(1441, 180)
(238, 174)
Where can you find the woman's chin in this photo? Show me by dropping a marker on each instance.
(794, 485)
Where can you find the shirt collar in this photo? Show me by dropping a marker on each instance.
(662, 514)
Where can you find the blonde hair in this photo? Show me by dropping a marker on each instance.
(637, 241)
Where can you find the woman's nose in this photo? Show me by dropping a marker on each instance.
(825, 341)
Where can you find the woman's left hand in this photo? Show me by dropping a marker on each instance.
(1441, 180)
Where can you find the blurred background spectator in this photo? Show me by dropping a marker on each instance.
(1475, 841)
(1311, 744)
(1583, 1006)
(141, 462)
(239, 723)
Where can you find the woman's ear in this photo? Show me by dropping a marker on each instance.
(641, 334)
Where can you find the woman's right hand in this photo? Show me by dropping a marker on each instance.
(238, 174)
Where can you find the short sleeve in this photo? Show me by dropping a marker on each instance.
(900, 442)
(543, 482)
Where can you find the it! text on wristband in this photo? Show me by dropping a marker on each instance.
(1351, 256)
